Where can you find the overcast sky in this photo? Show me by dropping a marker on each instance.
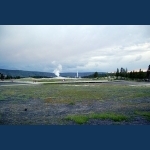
(74, 48)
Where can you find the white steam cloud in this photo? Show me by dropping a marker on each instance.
(58, 70)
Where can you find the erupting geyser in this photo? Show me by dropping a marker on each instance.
(58, 70)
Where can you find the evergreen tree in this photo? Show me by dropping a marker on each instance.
(2, 76)
(134, 75)
(117, 73)
(122, 72)
(95, 75)
(148, 72)
(131, 75)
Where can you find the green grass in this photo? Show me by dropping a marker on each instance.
(68, 93)
(145, 114)
(111, 116)
(81, 119)
(72, 103)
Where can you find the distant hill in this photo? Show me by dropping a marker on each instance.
(22, 73)
(80, 74)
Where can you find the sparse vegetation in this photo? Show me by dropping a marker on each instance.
(72, 103)
(79, 102)
(67, 93)
(145, 114)
(81, 119)
(112, 116)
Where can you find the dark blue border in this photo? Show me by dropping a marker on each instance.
(74, 137)
(74, 12)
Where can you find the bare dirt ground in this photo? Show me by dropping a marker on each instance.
(40, 113)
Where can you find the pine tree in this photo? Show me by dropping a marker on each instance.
(95, 74)
(148, 72)
(117, 73)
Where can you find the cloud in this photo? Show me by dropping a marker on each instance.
(138, 58)
(82, 48)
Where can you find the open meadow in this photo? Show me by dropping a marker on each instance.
(73, 103)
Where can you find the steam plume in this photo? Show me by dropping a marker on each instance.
(58, 70)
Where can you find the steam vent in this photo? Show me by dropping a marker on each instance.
(148, 72)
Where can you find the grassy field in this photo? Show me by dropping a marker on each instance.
(113, 99)
(74, 93)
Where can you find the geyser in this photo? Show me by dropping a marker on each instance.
(58, 70)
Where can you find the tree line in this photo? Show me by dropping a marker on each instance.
(132, 74)
(96, 75)
(124, 74)
(2, 77)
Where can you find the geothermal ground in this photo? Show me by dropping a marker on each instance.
(73, 102)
